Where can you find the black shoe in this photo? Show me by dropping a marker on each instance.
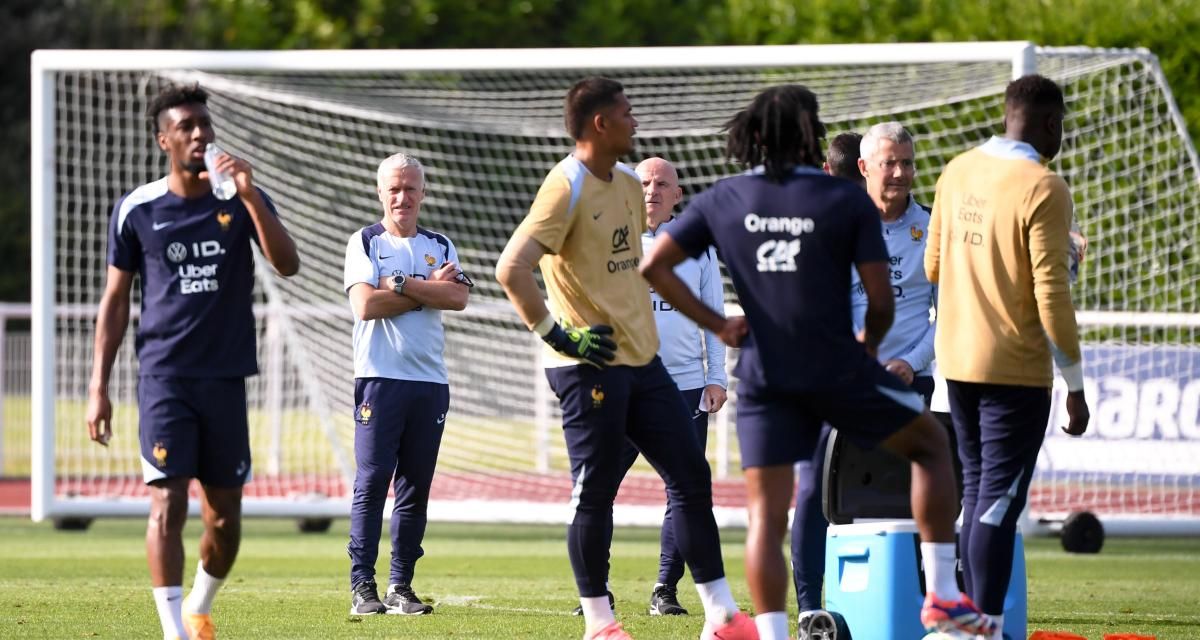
(664, 601)
(612, 604)
(365, 600)
(401, 600)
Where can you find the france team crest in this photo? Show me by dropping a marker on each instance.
(160, 454)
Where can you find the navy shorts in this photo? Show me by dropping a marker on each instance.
(194, 428)
(781, 427)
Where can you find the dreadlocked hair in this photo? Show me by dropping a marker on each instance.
(778, 130)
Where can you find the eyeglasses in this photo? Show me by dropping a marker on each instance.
(463, 278)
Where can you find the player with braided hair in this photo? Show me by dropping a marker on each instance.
(789, 234)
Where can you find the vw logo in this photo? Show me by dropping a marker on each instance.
(176, 252)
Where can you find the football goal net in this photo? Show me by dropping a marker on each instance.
(487, 125)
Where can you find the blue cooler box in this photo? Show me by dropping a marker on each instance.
(874, 579)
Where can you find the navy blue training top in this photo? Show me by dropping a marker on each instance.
(789, 247)
(197, 272)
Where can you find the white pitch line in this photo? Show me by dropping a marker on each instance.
(450, 600)
(474, 603)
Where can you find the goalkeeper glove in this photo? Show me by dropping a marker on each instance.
(590, 344)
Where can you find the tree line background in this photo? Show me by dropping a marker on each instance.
(1165, 27)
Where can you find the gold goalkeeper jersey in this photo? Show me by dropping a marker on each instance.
(592, 231)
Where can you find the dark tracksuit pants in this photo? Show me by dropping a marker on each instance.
(1000, 430)
(397, 433)
(602, 408)
(670, 561)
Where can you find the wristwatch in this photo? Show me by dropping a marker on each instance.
(398, 284)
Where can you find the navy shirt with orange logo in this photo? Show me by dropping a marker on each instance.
(197, 280)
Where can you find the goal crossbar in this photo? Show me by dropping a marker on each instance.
(1019, 53)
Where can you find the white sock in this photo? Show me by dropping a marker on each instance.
(717, 600)
(938, 560)
(169, 601)
(772, 626)
(203, 590)
(596, 613)
(999, 620)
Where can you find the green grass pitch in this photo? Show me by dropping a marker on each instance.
(501, 582)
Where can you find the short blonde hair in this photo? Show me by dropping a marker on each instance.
(395, 162)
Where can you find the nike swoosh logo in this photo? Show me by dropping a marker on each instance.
(442, 419)
(384, 257)
(163, 225)
(596, 216)
(697, 414)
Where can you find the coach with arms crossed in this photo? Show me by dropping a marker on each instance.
(195, 345)
(400, 277)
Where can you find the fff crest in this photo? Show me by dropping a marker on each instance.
(160, 454)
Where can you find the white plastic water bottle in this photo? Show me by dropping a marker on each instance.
(223, 186)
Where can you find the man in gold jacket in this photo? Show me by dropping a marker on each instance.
(998, 250)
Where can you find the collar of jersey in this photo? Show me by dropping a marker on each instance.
(1011, 149)
(654, 233)
(911, 208)
(796, 171)
(619, 166)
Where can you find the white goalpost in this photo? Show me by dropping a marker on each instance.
(487, 124)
